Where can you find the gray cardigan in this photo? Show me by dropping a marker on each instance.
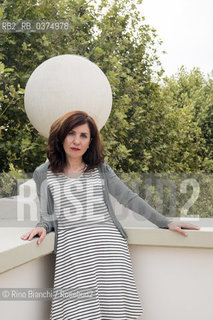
(112, 184)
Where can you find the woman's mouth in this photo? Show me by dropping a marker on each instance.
(75, 149)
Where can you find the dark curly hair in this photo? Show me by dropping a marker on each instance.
(93, 157)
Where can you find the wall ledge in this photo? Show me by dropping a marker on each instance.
(148, 236)
(14, 251)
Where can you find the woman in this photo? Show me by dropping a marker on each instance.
(91, 247)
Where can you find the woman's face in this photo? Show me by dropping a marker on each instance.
(77, 141)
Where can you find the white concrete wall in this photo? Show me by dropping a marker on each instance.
(173, 284)
(38, 273)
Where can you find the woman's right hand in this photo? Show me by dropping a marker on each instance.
(41, 231)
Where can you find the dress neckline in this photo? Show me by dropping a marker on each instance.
(77, 177)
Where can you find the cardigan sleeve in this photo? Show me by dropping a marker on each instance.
(132, 200)
(45, 217)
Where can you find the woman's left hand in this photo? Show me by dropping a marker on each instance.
(177, 225)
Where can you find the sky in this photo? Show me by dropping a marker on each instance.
(186, 28)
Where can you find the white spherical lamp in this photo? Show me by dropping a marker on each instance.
(66, 83)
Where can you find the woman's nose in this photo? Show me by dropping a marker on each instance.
(76, 140)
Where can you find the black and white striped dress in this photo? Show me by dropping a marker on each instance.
(93, 272)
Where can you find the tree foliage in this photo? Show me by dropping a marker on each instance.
(153, 127)
(189, 98)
